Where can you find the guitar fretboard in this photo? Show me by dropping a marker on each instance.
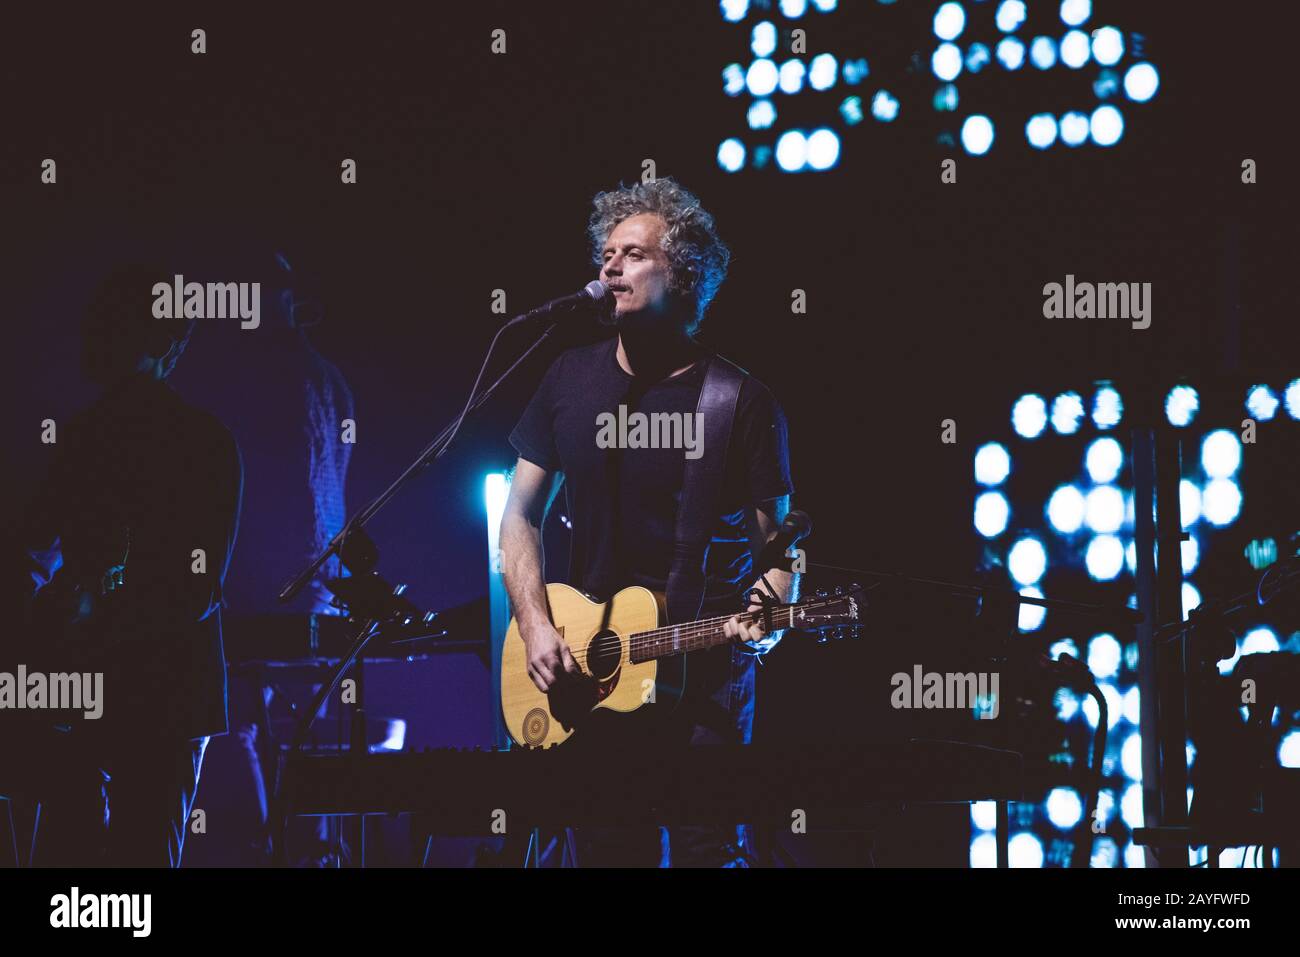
(698, 635)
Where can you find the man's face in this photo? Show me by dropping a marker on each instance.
(636, 270)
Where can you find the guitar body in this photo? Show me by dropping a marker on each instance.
(597, 635)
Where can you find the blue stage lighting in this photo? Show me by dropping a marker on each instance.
(1065, 509)
(1029, 416)
(1181, 405)
(1106, 125)
(1104, 459)
(823, 149)
(977, 134)
(991, 514)
(1107, 46)
(949, 21)
(1141, 82)
(1041, 130)
(1010, 14)
(1011, 53)
(992, 464)
(1261, 403)
(731, 155)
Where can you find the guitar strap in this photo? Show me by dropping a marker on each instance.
(697, 509)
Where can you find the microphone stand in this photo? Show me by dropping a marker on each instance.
(376, 611)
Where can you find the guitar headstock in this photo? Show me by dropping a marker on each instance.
(835, 613)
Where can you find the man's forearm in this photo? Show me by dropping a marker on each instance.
(521, 565)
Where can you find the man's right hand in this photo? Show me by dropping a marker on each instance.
(547, 655)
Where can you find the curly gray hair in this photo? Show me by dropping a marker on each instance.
(697, 257)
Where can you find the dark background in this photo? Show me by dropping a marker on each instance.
(476, 171)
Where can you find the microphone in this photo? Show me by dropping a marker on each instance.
(797, 526)
(594, 294)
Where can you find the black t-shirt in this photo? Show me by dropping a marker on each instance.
(622, 502)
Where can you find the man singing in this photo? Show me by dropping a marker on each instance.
(660, 255)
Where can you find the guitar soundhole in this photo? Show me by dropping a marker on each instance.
(536, 724)
(604, 654)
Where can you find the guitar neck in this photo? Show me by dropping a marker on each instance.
(698, 635)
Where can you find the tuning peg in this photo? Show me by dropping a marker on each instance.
(838, 591)
(820, 593)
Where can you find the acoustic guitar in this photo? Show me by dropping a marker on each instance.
(629, 659)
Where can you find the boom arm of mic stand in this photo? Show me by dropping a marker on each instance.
(431, 452)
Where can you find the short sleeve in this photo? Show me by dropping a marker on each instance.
(534, 435)
(766, 444)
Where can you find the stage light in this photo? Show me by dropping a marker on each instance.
(1042, 53)
(823, 149)
(1141, 82)
(761, 77)
(1041, 130)
(1075, 49)
(991, 514)
(1106, 125)
(1025, 850)
(733, 79)
(1103, 656)
(1189, 502)
(1190, 553)
(1220, 454)
(1104, 459)
(825, 6)
(1288, 750)
(1106, 85)
(851, 110)
(1067, 411)
(1107, 406)
(1134, 855)
(821, 71)
(1074, 129)
(1133, 706)
(1181, 405)
(1011, 13)
(1104, 509)
(1191, 598)
(794, 8)
(992, 464)
(984, 851)
(1292, 399)
(1259, 641)
(761, 115)
(1011, 53)
(977, 57)
(1027, 561)
(1130, 757)
(1261, 403)
(1065, 509)
(855, 71)
(1075, 12)
(945, 98)
(1221, 502)
(792, 151)
(1130, 806)
(949, 21)
(884, 107)
(731, 155)
(977, 134)
(791, 75)
(762, 39)
(1029, 416)
(946, 61)
(1107, 46)
(1064, 807)
(1067, 704)
(734, 11)
(984, 815)
(1104, 557)
(1031, 616)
